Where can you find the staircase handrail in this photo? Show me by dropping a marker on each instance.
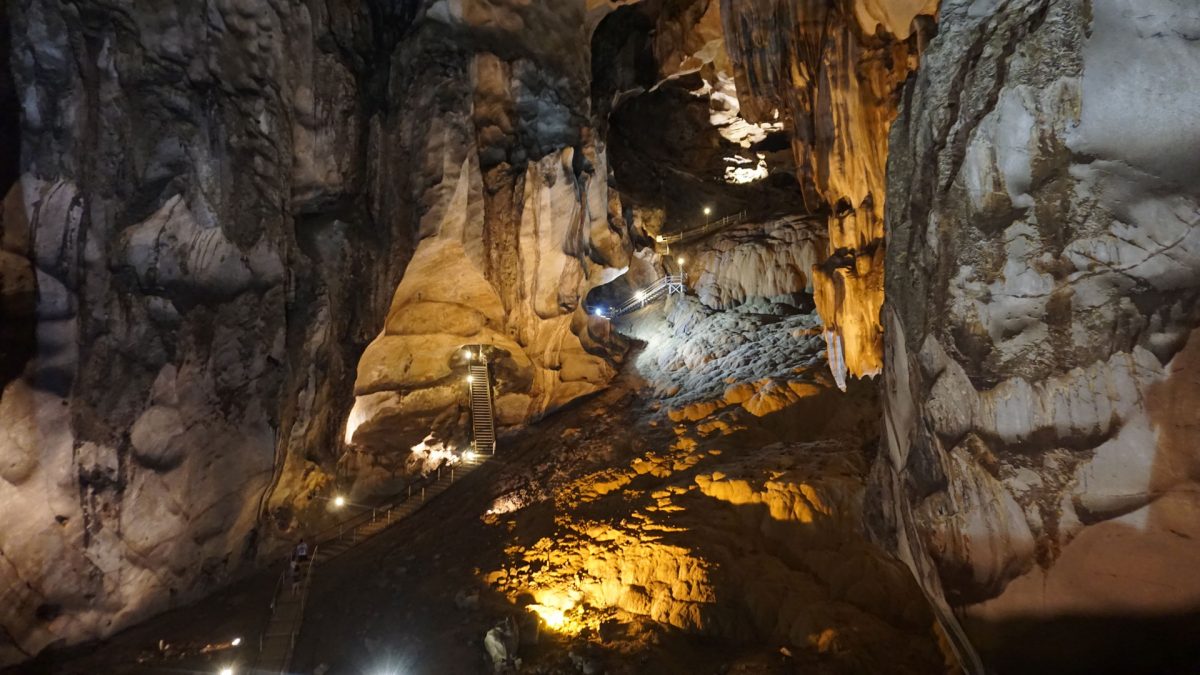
(648, 293)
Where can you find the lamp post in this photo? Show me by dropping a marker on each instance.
(707, 213)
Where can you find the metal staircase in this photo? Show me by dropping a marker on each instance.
(277, 642)
(483, 425)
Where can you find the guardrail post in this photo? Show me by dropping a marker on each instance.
(422, 493)
(451, 474)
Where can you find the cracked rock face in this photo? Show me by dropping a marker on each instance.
(1043, 275)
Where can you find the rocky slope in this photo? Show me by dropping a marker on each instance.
(1043, 276)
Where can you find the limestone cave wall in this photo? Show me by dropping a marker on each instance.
(202, 264)
(1043, 268)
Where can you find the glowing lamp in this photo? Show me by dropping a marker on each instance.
(236, 641)
(679, 260)
(469, 455)
(339, 501)
(707, 211)
(467, 354)
(470, 379)
(226, 671)
(553, 617)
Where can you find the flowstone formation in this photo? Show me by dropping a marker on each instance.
(832, 71)
(1040, 466)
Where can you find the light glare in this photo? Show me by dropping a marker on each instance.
(339, 501)
(236, 641)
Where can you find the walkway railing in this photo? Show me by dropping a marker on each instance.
(668, 285)
(713, 226)
(277, 642)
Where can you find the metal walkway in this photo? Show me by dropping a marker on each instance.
(668, 285)
(698, 232)
(277, 643)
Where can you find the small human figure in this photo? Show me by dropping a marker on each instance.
(301, 553)
(294, 572)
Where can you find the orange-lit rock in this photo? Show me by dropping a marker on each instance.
(833, 72)
(742, 546)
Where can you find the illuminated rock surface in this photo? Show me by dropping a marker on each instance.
(244, 244)
(832, 71)
(1043, 270)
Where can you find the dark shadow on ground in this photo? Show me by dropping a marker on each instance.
(1094, 645)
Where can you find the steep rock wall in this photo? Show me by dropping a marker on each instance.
(1043, 277)
(216, 207)
(202, 264)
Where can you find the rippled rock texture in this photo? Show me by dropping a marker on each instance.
(1043, 275)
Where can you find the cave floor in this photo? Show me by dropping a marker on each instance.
(420, 597)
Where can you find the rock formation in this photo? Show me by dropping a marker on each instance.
(245, 244)
(1043, 273)
(216, 205)
(832, 71)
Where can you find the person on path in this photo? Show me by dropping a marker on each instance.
(294, 572)
(301, 553)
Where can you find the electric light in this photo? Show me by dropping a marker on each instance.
(236, 641)
(470, 379)
(707, 211)
(679, 260)
(553, 617)
(469, 455)
(339, 501)
(640, 296)
(467, 354)
(226, 671)
(599, 311)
